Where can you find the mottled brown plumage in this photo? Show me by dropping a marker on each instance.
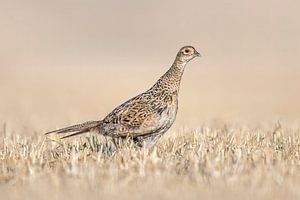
(145, 117)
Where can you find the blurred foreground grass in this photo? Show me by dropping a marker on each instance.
(206, 163)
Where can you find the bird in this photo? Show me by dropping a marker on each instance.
(145, 117)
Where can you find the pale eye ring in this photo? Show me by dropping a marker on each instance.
(187, 51)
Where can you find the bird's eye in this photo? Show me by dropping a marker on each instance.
(186, 51)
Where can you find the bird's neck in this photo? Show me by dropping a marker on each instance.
(175, 73)
(178, 66)
(170, 81)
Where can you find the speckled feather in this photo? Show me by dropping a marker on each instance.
(147, 116)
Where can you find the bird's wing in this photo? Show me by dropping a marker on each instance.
(137, 116)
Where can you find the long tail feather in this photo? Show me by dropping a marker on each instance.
(76, 129)
(76, 133)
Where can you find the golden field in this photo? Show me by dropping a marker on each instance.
(206, 163)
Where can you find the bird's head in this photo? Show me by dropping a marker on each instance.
(187, 53)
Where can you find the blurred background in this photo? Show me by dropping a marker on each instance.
(63, 61)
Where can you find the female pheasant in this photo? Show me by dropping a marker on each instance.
(146, 117)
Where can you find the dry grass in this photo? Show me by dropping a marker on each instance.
(227, 163)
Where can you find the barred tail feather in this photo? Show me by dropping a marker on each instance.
(76, 129)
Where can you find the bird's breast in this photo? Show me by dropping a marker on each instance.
(167, 118)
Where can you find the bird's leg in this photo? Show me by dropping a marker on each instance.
(153, 140)
(106, 145)
(115, 143)
(149, 141)
(138, 141)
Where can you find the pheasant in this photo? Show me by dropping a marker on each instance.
(145, 117)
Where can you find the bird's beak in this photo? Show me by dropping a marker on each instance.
(197, 54)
